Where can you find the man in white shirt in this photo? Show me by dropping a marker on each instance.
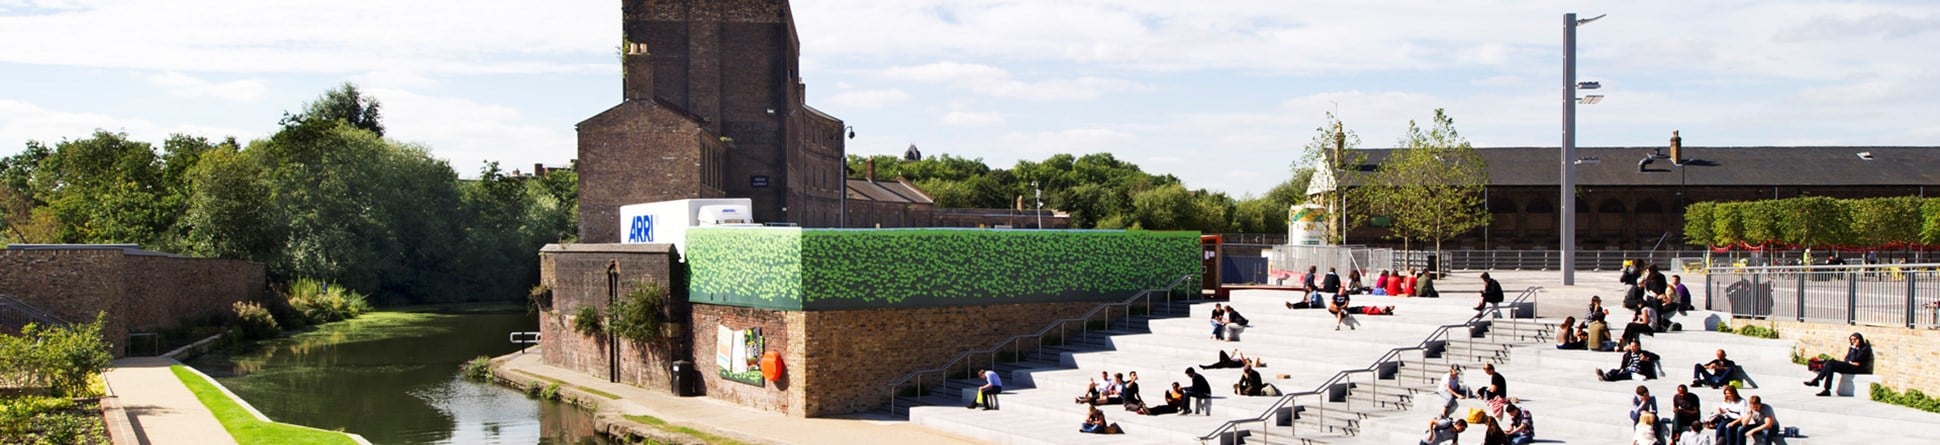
(991, 385)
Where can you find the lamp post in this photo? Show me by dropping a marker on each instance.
(1568, 158)
(1040, 204)
(842, 205)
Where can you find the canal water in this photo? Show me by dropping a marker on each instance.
(393, 378)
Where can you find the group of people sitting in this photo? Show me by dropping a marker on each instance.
(1412, 283)
(1120, 389)
(1330, 294)
(1227, 323)
(1735, 421)
(1504, 422)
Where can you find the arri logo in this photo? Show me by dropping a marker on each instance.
(641, 230)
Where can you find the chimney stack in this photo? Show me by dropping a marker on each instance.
(538, 169)
(870, 166)
(1677, 148)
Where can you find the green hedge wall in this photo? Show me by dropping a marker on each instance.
(745, 267)
(1816, 221)
(860, 269)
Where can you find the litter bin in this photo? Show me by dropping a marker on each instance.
(683, 378)
(1434, 265)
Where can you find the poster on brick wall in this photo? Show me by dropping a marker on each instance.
(737, 354)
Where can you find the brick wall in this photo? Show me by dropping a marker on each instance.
(1903, 358)
(782, 333)
(577, 275)
(834, 362)
(140, 293)
(849, 356)
(627, 155)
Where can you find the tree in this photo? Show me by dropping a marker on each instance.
(1697, 222)
(345, 104)
(230, 213)
(104, 189)
(1433, 184)
(1882, 221)
(1169, 207)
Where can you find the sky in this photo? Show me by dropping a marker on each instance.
(1221, 93)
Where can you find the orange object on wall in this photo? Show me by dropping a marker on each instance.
(771, 365)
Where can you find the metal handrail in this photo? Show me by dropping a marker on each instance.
(1440, 331)
(1013, 341)
(15, 311)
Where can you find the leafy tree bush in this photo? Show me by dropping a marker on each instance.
(51, 421)
(60, 358)
(321, 302)
(1912, 398)
(1816, 221)
(641, 315)
(539, 298)
(586, 321)
(254, 321)
(479, 368)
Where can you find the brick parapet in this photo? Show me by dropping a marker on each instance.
(1903, 358)
(139, 293)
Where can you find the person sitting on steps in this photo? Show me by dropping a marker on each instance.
(1635, 361)
(1566, 337)
(1596, 328)
(1859, 360)
(1339, 308)
(1249, 382)
(1491, 296)
(1640, 325)
(1714, 373)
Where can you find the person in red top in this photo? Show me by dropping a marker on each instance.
(1394, 285)
(1408, 287)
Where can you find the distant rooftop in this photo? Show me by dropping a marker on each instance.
(126, 249)
(1713, 166)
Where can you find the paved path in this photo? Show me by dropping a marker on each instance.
(162, 408)
(739, 422)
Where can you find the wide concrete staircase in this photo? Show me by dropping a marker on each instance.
(1396, 360)
(1570, 405)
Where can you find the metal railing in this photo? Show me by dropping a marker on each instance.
(1015, 343)
(16, 314)
(1882, 294)
(1379, 367)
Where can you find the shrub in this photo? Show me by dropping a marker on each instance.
(1725, 328)
(320, 302)
(551, 392)
(61, 358)
(1912, 398)
(1752, 330)
(641, 316)
(539, 298)
(49, 420)
(254, 321)
(478, 368)
(587, 321)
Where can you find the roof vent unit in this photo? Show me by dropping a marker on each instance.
(1867, 155)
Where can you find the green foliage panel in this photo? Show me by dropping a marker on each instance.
(759, 268)
(859, 269)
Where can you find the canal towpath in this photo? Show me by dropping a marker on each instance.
(727, 419)
(160, 407)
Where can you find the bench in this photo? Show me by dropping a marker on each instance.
(1851, 384)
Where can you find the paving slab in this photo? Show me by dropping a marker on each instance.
(162, 408)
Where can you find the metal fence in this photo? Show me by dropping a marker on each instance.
(1340, 258)
(1892, 294)
(15, 315)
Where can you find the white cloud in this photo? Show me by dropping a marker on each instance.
(994, 81)
(394, 79)
(22, 121)
(1037, 145)
(869, 98)
(972, 119)
(476, 36)
(468, 133)
(183, 85)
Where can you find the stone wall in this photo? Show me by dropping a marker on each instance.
(1903, 358)
(577, 275)
(849, 357)
(139, 292)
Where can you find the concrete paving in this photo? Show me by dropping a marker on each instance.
(162, 409)
(735, 421)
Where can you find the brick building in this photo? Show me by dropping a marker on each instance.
(1621, 204)
(712, 106)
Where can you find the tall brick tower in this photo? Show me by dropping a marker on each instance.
(713, 108)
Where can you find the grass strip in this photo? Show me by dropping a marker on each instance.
(704, 436)
(245, 427)
(563, 383)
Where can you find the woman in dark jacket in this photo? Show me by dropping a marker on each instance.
(1859, 360)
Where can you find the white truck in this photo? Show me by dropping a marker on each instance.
(668, 221)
